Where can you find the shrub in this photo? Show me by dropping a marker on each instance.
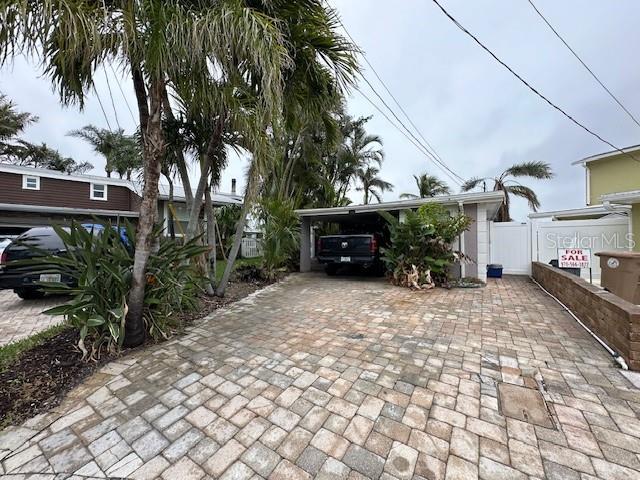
(281, 240)
(420, 252)
(100, 261)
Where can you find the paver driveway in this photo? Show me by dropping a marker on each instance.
(340, 378)
(22, 318)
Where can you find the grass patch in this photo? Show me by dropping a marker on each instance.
(9, 353)
(221, 264)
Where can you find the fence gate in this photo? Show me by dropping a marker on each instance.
(511, 247)
(251, 247)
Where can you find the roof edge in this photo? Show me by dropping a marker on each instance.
(464, 198)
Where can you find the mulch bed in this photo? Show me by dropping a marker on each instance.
(40, 377)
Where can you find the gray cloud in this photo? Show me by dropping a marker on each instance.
(477, 116)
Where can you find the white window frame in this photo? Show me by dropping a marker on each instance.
(25, 182)
(92, 193)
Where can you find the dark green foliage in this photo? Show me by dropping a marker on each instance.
(281, 241)
(100, 263)
(420, 252)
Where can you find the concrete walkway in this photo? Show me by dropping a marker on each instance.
(332, 378)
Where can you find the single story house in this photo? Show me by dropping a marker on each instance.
(481, 207)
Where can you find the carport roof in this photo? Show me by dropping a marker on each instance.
(492, 199)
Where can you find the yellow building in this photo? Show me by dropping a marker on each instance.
(613, 178)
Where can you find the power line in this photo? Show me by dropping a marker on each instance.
(419, 146)
(113, 105)
(430, 148)
(595, 77)
(427, 152)
(133, 117)
(433, 156)
(104, 113)
(528, 85)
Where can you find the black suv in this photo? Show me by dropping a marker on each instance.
(27, 280)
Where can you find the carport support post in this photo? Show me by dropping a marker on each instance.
(305, 244)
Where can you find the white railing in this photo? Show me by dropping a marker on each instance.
(251, 248)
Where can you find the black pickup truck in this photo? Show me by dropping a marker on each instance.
(360, 250)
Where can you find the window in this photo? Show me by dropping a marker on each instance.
(98, 191)
(30, 182)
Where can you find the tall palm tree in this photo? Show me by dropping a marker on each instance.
(428, 186)
(121, 152)
(360, 149)
(371, 184)
(323, 65)
(506, 183)
(154, 41)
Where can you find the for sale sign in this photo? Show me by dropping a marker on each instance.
(574, 257)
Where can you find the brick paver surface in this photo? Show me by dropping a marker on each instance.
(22, 318)
(339, 378)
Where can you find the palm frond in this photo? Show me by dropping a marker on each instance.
(526, 193)
(472, 183)
(535, 169)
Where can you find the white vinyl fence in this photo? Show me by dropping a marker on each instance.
(510, 247)
(251, 247)
(516, 245)
(604, 234)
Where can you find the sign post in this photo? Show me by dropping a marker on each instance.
(575, 258)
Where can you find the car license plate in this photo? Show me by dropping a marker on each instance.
(345, 259)
(49, 277)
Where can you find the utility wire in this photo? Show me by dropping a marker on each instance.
(104, 113)
(113, 105)
(454, 175)
(529, 86)
(595, 77)
(133, 117)
(430, 148)
(419, 146)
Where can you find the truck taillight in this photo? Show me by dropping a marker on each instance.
(318, 245)
(373, 246)
(3, 258)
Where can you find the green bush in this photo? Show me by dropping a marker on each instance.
(100, 263)
(281, 240)
(420, 251)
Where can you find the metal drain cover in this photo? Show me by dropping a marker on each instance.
(524, 404)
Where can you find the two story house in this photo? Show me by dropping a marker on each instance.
(32, 197)
(613, 180)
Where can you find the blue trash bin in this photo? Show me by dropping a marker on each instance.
(494, 270)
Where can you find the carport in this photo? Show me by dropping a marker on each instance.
(482, 207)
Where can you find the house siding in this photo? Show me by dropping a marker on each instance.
(617, 174)
(56, 192)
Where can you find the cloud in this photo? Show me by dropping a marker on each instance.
(478, 117)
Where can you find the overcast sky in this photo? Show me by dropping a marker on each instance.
(478, 117)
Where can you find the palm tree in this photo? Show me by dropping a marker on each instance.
(12, 123)
(360, 149)
(428, 186)
(323, 65)
(372, 184)
(154, 41)
(121, 152)
(505, 182)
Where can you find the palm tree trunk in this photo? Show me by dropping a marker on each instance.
(170, 220)
(211, 239)
(153, 151)
(180, 161)
(249, 194)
